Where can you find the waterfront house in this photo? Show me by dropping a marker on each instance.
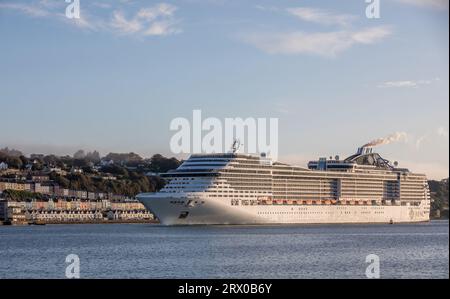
(106, 204)
(4, 186)
(60, 204)
(83, 195)
(13, 212)
(72, 193)
(51, 204)
(60, 192)
(41, 188)
(64, 216)
(84, 205)
(38, 177)
(54, 188)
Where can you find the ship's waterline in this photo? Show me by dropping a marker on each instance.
(241, 189)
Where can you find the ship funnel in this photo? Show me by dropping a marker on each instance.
(364, 150)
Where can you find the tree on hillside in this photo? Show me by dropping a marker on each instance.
(79, 154)
(60, 180)
(52, 160)
(439, 195)
(83, 162)
(93, 156)
(129, 159)
(11, 152)
(24, 160)
(159, 163)
(115, 170)
(12, 161)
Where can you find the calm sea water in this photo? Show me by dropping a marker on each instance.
(152, 251)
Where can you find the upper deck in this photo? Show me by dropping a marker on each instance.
(363, 159)
(208, 165)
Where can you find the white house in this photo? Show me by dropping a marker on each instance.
(3, 166)
(106, 162)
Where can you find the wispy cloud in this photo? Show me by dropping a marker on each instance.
(102, 5)
(267, 8)
(155, 20)
(52, 9)
(406, 83)
(283, 108)
(321, 16)
(158, 19)
(123, 25)
(319, 43)
(420, 140)
(34, 10)
(164, 27)
(436, 4)
(440, 132)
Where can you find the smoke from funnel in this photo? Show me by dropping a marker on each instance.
(396, 137)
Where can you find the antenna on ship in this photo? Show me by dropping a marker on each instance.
(236, 146)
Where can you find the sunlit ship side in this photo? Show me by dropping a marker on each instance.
(242, 189)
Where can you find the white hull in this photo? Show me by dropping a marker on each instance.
(169, 207)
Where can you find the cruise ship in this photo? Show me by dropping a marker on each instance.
(233, 188)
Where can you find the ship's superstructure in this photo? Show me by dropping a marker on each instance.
(234, 188)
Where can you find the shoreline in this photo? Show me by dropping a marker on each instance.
(40, 223)
(81, 222)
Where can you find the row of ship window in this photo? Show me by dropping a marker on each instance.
(312, 213)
